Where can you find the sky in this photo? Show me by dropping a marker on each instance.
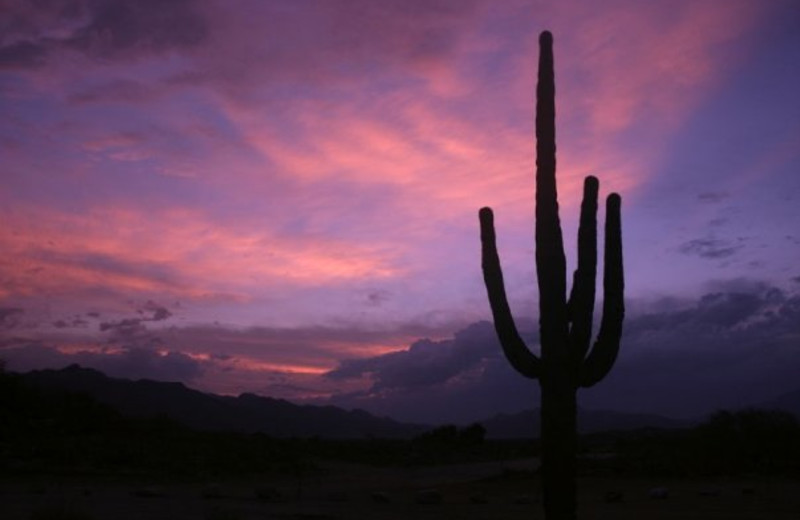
(281, 197)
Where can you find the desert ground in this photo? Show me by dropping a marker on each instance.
(490, 490)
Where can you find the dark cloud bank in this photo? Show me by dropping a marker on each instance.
(311, 41)
(106, 29)
(129, 362)
(127, 349)
(736, 346)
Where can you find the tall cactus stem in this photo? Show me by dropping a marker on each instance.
(565, 326)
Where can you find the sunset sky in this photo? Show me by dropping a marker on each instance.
(281, 196)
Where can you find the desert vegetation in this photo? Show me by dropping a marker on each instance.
(566, 362)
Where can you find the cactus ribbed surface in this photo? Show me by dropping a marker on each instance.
(565, 325)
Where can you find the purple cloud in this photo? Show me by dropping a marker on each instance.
(159, 312)
(731, 347)
(129, 362)
(106, 29)
(22, 55)
(710, 248)
(713, 196)
(125, 28)
(9, 317)
(426, 363)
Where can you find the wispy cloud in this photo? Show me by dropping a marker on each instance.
(710, 248)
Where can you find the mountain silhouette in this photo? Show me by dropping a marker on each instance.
(246, 413)
(250, 413)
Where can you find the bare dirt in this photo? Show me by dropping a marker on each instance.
(497, 490)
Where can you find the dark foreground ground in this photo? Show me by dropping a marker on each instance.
(489, 490)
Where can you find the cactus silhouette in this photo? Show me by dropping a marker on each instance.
(565, 325)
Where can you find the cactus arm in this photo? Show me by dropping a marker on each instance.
(581, 301)
(551, 265)
(522, 359)
(604, 352)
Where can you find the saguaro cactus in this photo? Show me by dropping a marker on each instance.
(565, 325)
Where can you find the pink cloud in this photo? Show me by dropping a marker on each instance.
(178, 253)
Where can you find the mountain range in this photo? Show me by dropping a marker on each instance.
(279, 418)
(248, 413)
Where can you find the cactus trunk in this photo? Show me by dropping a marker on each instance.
(559, 440)
(565, 325)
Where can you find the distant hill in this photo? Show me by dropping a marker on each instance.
(251, 413)
(245, 413)
(527, 424)
(788, 402)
